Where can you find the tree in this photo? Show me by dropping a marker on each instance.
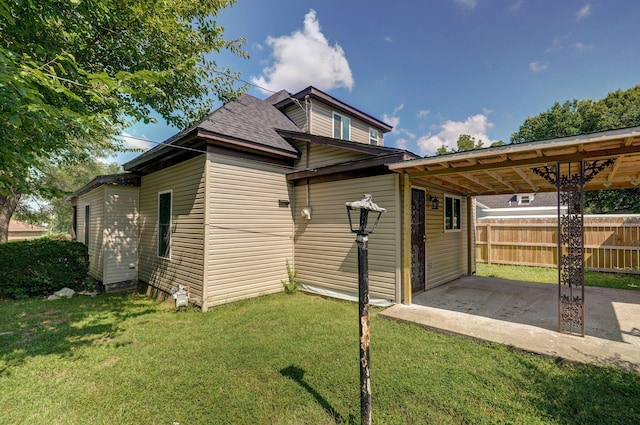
(619, 109)
(74, 73)
(465, 142)
(55, 212)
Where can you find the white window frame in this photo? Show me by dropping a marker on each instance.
(525, 199)
(459, 221)
(170, 225)
(373, 141)
(343, 120)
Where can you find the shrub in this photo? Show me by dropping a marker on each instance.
(41, 266)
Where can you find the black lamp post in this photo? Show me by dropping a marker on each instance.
(365, 206)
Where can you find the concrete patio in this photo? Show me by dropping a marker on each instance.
(524, 315)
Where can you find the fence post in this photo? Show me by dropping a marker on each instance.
(488, 243)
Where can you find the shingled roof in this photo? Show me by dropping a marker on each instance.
(248, 119)
(251, 119)
(544, 199)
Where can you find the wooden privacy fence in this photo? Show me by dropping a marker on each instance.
(612, 243)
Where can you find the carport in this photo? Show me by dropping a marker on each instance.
(568, 166)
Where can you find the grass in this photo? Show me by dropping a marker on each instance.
(550, 275)
(281, 359)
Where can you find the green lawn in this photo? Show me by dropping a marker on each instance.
(281, 359)
(550, 275)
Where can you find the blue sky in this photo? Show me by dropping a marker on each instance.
(435, 69)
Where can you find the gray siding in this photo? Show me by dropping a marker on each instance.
(325, 249)
(322, 124)
(322, 156)
(298, 115)
(186, 266)
(95, 199)
(249, 233)
(446, 251)
(120, 234)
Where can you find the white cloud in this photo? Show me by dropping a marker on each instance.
(401, 143)
(132, 141)
(583, 12)
(581, 47)
(424, 113)
(538, 66)
(393, 121)
(476, 126)
(305, 58)
(517, 5)
(388, 39)
(467, 4)
(406, 133)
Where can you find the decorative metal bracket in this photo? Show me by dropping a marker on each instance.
(570, 182)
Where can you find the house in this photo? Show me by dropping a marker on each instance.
(220, 206)
(19, 230)
(520, 205)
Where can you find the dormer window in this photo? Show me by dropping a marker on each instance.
(341, 127)
(525, 199)
(374, 136)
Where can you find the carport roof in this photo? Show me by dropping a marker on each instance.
(509, 168)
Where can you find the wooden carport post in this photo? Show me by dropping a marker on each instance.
(406, 238)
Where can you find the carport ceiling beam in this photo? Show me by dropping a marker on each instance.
(524, 177)
(477, 181)
(469, 190)
(614, 170)
(497, 177)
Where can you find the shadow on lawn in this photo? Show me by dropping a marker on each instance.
(297, 374)
(585, 395)
(37, 328)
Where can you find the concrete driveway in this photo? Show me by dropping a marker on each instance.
(525, 315)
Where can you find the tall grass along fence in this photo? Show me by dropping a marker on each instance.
(612, 243)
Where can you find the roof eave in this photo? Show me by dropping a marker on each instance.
(337, 104)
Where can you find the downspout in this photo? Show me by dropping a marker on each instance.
(308, 108)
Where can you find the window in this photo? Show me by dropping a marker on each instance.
(74, 223)
(525, 199)
(451, 213)
(341, 127)
(164, 224)
(87, 221)
(373, 136)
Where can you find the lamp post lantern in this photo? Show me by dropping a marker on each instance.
(365, 205)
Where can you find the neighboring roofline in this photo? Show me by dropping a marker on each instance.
(556, 143)
(345, 144)
(337, 104)
(24, 227)
(121, 179)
